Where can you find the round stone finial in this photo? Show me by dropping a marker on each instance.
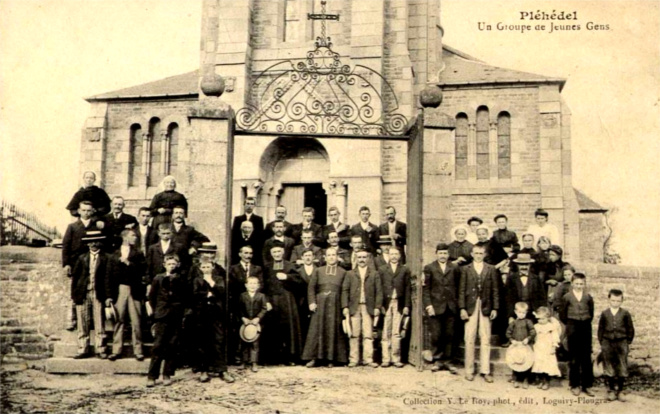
(430, 97)
(212, 85)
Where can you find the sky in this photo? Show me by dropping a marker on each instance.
(53, 53)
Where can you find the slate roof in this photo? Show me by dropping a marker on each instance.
(186, 84)
(462, 69)
(586, 204)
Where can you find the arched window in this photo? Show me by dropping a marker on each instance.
(172, 148)
(135, 155)
(483, 167)
(461, 147)
(504, 145)
(155, 171)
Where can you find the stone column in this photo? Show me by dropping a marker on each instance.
(210, 173)
(92, 149)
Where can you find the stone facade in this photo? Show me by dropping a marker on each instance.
(400, 40)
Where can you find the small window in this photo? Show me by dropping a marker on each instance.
(504, 145)
(461, 147)
(156, 173)
(483, 167)
(173, 150)
(135, 155)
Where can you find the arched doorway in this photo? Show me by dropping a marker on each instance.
(295, 172)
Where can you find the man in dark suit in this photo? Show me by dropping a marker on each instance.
(127, 268)
(165, 246)
(280, 215)
(439, 297)
(308, 224)
(247, 237)
(367, 231)
(296, 254)
(117, 221)
(238, 275)
(185, 235)
(395, 278)
(73, 246)
(343, 255)
(257, 231)
(396, 230)
(90, 287)
(146, 235)
(361, 299)
(523, 286)
(478, 301)
(335, 225)
(278, 237)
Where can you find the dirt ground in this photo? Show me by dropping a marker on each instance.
(299, 390)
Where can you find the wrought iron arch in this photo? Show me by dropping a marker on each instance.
(320, 95)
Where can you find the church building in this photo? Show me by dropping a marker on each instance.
(323, 95)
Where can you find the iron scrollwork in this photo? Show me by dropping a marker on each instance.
(320, 95)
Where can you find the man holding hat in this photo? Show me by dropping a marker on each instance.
(90, 287)
(440, 303)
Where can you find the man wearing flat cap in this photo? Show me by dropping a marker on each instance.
(439, 297)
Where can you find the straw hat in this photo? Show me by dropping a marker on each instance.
(520, 357)
(250, 332)
(93, 235)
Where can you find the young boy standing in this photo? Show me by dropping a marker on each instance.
(615, 333)
(253, 307)
(577, 312)
(166, 299)
(521, 332)
(208, 314)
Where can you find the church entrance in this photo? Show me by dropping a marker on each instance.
(307, 105)
(297, 196)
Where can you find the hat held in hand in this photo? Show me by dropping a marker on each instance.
(520, 357)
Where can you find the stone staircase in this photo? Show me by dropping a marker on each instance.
(62, 361)
(20, 338)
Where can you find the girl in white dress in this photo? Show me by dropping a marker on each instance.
(548, 333)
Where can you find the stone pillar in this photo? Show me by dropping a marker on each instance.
(209, 175)
(552, 182)
(92, 148)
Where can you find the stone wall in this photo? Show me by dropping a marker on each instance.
(641, 289)
(33, 301)
(592, 236)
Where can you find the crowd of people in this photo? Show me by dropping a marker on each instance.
(330, 294)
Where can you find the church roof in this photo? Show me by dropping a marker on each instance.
(462, 69)
(586, 204)
(183, 85)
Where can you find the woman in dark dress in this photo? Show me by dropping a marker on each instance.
(325, 339)
(89, 192)
(164, 202)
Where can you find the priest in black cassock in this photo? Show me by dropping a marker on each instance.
(282, 337)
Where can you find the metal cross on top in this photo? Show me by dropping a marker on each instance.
(322, 17)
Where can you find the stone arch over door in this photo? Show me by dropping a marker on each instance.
(295, 172)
